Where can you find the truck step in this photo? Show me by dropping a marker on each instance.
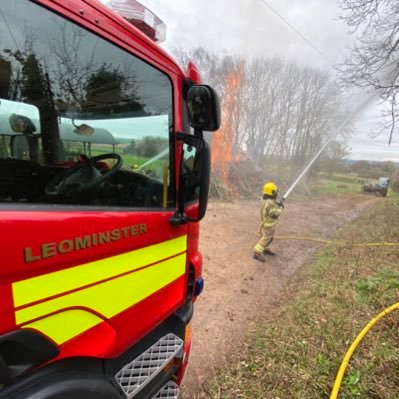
(168, 391)
(134, 376)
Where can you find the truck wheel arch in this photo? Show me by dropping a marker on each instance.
(76, 378)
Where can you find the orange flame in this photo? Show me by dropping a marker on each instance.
(222, 143)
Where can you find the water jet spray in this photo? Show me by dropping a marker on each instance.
(360, 108)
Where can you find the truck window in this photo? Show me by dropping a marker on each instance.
(82, 122)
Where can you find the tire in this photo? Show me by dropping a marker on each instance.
(70, 379)
(77, 389)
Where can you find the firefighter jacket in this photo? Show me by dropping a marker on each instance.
(270, 212)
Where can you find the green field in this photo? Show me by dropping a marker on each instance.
(338, 187)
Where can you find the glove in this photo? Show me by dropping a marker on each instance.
(280, 202)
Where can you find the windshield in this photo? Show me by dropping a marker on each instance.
(67, 99)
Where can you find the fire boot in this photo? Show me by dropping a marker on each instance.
(259, 257)
(268, 252)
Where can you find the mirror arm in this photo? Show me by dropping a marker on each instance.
(179, 217)
(198, 133)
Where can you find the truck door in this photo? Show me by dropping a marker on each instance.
(89, 258)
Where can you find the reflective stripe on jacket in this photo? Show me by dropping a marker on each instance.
(270, 212)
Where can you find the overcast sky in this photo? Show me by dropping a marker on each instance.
(250, 27)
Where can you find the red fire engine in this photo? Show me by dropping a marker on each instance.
(104, 175)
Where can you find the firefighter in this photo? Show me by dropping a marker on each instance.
(270, 212)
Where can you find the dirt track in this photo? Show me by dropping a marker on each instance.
(237, 287)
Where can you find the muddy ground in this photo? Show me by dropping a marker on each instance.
(238, 289)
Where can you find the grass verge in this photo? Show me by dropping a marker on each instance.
(296, 352)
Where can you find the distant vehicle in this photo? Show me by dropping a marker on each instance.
(381, 186)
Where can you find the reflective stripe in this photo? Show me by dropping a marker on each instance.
(270, 224)
(41, 287)
(112, 296)
(259, 248)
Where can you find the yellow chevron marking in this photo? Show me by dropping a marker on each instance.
(44, 286)
(61, 327)
(113, 296)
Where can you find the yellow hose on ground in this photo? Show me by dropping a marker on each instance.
(345, 361)
(378, 244)
(302, 238)
(369, 244)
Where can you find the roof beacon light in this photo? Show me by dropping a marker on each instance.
(141, 17)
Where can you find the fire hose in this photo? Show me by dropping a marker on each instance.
(368, 244)
(322, 241)
(355, 343)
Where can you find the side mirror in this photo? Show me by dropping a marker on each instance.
(203, 108)
(194, 179)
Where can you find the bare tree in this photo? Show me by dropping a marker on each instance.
(290, 112)
(281, 113)
(334, 157)
(82, 80)
(373, 62)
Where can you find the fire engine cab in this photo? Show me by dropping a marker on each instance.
(104, 176)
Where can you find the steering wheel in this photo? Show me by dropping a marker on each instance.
(83, 177)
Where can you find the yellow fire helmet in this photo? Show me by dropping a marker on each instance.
(270, 189)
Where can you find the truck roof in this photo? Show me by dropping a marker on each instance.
(94, 15)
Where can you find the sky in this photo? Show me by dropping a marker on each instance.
(251, 27)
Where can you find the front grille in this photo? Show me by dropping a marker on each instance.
(169, 391)
(138, 373)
